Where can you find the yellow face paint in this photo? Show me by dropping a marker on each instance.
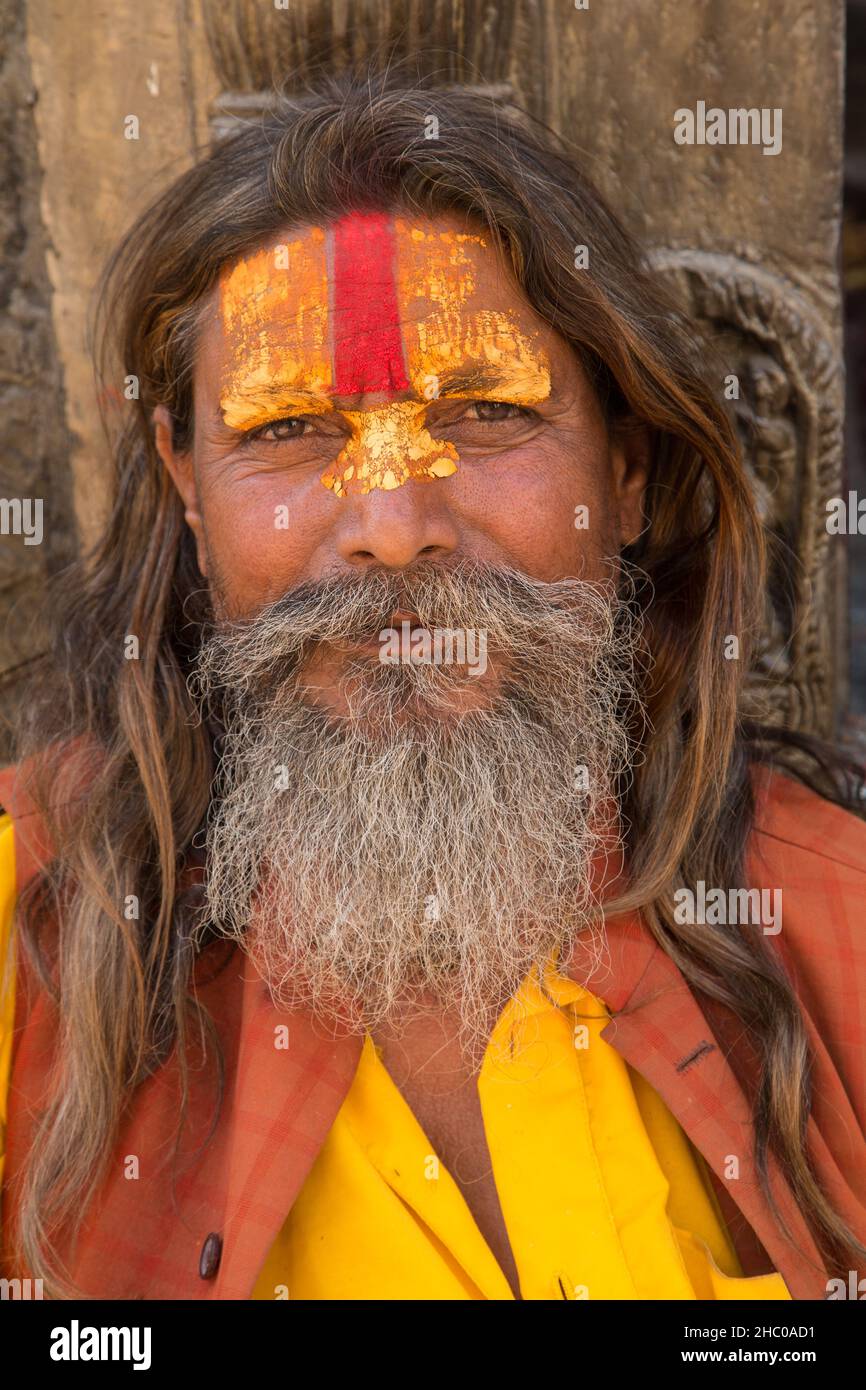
(274, 309)
(389, 445)
(371, 307)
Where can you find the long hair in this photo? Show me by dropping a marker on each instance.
(122, 981)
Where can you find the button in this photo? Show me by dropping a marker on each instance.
(211, 1254)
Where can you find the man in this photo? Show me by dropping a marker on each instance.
(398, 877)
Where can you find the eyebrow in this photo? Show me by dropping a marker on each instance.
(516, 381)
(469, 379)
(278, 397)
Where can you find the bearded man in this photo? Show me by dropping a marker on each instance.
(384, 738)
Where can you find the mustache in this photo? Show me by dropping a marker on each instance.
(522, 617)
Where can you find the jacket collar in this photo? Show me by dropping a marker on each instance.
(695, 1055)
(290, 1082)
(662, 1032)
(658, 1027)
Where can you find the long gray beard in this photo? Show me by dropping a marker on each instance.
(399, 856)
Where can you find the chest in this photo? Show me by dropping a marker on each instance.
(451, 1118)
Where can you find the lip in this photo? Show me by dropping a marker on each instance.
(373, 643)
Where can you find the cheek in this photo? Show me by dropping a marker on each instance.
(547, 514)
(255, 547)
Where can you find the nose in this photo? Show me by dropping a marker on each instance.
(395, 528)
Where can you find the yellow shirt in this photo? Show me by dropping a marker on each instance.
(602, 1194)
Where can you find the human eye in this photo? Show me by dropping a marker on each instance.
(485, 425)
(496, 412)
(279, 431)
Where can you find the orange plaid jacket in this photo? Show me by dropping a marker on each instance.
(200, 1219)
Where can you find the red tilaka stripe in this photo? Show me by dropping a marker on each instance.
(365, 324)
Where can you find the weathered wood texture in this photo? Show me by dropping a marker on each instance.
(34, 443)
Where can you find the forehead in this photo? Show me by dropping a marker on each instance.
(371, 303)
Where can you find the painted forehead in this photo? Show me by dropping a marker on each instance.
(371, 304)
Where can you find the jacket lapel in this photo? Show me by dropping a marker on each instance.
(290, 1082)
(661, 1031)
(286, 1098)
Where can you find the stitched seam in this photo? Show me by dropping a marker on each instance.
(810, 849)
(700, 1052)
(638, 982)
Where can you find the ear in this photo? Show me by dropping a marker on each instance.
(630, 458)
(180, 467)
